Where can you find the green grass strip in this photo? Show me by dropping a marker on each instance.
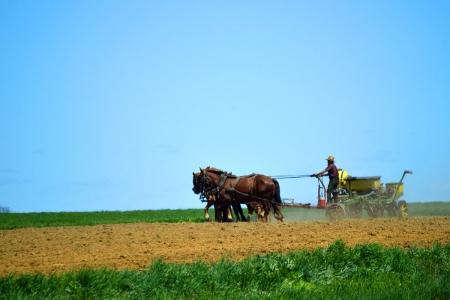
(50, 219)
(366, 271)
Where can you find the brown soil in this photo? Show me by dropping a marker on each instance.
(135, 246)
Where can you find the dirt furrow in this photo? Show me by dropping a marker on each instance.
(135, 246)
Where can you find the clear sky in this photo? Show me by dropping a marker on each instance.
(111, 105)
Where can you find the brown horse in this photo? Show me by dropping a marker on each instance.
(231, 189)
(222, 212)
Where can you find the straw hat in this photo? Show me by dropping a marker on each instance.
(330, 158)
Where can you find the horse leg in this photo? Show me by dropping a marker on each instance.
(250, 210)
(206, 214)
(225, 203)
(225, 213)
(260, 213)
(239, 213)
(236, 212)
(228, 217)
(266, 206)
(218, 212)
(208, 205)
(277, 213)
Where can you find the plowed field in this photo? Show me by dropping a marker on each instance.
(135, 246)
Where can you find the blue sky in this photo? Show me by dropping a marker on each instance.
(111, 105)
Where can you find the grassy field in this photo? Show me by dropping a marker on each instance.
(337, 272)
(46, 219)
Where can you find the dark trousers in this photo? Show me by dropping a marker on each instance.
(332, 185)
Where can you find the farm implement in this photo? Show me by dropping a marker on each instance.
(355, 194)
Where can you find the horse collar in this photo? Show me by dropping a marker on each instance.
(222, 179)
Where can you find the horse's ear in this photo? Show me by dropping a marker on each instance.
(201, 171)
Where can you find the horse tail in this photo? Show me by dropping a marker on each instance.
(278, 203)
(277, 195)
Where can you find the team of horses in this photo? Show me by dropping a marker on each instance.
(224, 191)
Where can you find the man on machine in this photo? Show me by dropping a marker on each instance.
(334, 179)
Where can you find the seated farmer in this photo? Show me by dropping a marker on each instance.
(334, 179)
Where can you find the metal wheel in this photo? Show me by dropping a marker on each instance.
(392, 210)
(375, 211)
(355, 210)
(335, 211)
(402, 208)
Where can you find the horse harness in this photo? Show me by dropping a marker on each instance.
(209, 191)
(232, 189)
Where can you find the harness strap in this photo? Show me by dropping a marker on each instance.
(247, 195)
(235, 182)
(232, 188)
(251, 187)
(223, 178)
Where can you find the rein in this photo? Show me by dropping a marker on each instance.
(289, 176)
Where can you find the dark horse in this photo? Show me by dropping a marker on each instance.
(231, 189)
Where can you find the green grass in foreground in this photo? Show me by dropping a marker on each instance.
(336, 272)
(48, 219)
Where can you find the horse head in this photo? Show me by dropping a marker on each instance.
(203, 183)
(197, 180)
